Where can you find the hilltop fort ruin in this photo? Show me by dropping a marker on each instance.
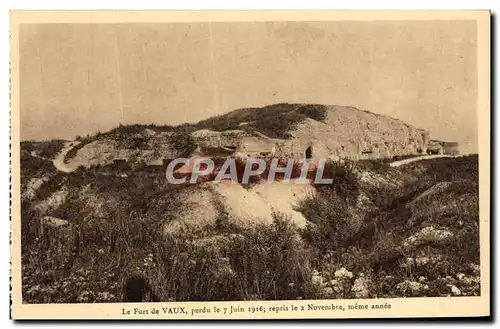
(283, 130)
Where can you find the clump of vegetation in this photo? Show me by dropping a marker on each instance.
(275, 121)
(34, 166)
(330, 224)
(259, 263)
(313, 111)
(45, 149)
(183, 142)
(345, 182)
(278, 124)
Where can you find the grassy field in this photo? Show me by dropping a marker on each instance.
(376, 232)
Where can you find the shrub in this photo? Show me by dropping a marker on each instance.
(134, 142)
(46, 149)
(345, 182)
(183, 142)
(316, 112)
(50, 186)
(276, 120)
(330, 224)
(271, 263)
(31, 166)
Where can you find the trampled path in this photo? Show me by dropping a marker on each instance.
(419, 158)
(58, 161)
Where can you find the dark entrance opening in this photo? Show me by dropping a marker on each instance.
(309, 152)
(137, 289)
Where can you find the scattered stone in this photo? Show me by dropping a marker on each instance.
(54, 221)
(422, 261)
(467, 280)
(409, 286)
(422, 279)
(455, 290)
(343, 273)
(426, 235)
(460, 276)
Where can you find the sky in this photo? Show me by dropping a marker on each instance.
(83, 78)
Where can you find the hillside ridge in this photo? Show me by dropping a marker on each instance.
(284, 129)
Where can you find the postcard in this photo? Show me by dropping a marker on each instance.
(250, 164)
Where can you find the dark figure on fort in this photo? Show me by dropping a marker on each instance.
(309, 152)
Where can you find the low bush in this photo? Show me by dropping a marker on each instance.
(345, 182)
(330, 224)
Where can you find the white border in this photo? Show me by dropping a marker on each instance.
(185, 4)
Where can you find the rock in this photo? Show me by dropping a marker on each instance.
(54, 221)
(328, 291)
(343, 274)
(317, 279)
(422, 261)
(476, 269)
(438, 188)
(360, 288)
(201, 205)
(455, 290)
(422, 279)
(428, 235)
(409, 286)
(333, 282)
(460, 276)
